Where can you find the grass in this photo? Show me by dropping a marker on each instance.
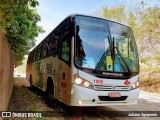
(150, 73)
(150, 85)
(24, 99)
(150, 80)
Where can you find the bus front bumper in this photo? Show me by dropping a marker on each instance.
(81, 96)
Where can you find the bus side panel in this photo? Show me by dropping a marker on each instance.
(50, 69)
(37, 74)
(31, 70)
(64, 84)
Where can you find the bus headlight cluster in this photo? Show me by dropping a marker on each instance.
(135, 85)
(78, 81)
(82, 82)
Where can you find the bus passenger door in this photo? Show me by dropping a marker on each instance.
(64, 69)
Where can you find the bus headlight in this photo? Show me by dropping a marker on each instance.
(86, 84)
(78, 81)
(135, 85)
(82, 82)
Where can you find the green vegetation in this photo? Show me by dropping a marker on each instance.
(18, 19)
(144, 19)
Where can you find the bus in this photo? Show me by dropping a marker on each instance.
(87, 61)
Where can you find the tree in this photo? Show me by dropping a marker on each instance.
(18, 19)
(116, 13)
(132, 22)
(150, 22)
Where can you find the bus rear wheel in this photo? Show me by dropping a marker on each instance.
(50, 95)
(30, 80)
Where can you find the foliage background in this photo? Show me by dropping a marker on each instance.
(18, 19)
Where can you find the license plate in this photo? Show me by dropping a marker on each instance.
(114, 95)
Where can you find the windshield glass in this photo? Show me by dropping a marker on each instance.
(126, 58)
(105, 45)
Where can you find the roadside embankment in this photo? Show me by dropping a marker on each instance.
(6, 72)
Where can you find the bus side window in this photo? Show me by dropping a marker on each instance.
(65, 50)
(65, 27)
(34, 54)
(29, 57)
(39, 49)
(44, 53)
(45, 47)
(53, 45)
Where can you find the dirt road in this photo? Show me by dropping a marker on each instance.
(147, 102)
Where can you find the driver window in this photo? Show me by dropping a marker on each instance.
(65, 50)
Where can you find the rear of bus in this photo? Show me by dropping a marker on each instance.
(105, 63)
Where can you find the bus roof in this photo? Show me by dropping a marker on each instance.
(76, 14)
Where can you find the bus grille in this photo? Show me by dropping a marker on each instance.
(111, 88)
(107, 98)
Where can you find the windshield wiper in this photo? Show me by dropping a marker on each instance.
(101, 61)
(128, 69)
(99, 64)
(112, 49)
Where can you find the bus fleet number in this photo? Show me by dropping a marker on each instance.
(98, 81)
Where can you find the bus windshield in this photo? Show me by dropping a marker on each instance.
(105, 45)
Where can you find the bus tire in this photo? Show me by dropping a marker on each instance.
(50, 92)
(30, 81)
